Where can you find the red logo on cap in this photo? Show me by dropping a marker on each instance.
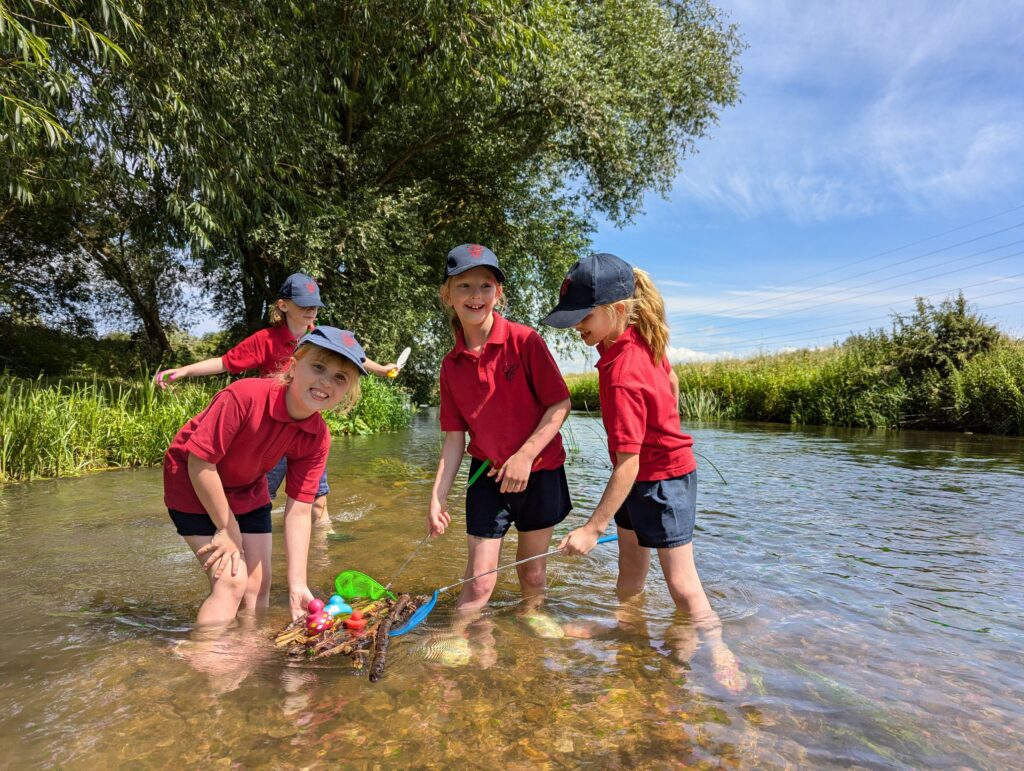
(565, 287)
(311, 288)
(475, 251)
(348, 340)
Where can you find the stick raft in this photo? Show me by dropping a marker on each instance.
(368, 644)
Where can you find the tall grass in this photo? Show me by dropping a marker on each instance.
(855, 384)
(65, 428)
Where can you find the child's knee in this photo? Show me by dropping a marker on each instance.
(532, 575)
(632, 579)
(688, 597)
(234, 585)
(480, 589)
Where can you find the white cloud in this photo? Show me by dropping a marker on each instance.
(852, 109)
(682, 355)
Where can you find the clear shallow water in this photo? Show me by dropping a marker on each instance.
(869, 582)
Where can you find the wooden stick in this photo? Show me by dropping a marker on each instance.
(380, 643)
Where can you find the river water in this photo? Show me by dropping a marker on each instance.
(870, 584)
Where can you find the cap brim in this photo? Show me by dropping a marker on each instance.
(315, 304)
(566, 317)
(359, 364)
(496, 271)
(327, 346)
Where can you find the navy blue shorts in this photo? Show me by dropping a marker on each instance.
(544, 503)
(255, 521)
(276, 476)
(662, 513)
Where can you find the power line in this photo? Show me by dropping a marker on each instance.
(933, 293)
(801, 335)
(886, 267)
(896, 286)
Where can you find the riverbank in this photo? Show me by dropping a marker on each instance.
(63, 428)
(856, 384)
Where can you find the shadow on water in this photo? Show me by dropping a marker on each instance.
(867, 581)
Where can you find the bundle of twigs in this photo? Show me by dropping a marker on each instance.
(371, 642)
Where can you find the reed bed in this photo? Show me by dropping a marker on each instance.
(858, 383)
(64, 428)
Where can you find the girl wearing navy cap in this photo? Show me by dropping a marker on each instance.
(268, 351)
(499, 384)
(214, 471)
(652, 492)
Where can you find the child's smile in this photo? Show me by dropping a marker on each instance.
(598, 326)
(316, 385)
(473, 295)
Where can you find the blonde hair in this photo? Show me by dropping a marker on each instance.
(285, 377)
(645, 310)
(276, 314)
(454, 325)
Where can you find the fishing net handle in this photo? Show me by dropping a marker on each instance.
(552, 553)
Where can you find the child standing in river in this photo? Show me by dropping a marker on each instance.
(268, 351)
(214, 471)
(499, 384)
(652, 492)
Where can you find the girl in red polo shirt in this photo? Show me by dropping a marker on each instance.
(501, 385)
(652, 492)
(215, 471)
(268, 351)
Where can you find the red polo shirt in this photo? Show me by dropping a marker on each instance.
(639, 409)
(500, 394)
(267, 350)
(245, 431)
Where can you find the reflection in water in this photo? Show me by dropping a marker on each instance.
(868, 581)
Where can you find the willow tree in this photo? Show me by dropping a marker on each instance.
(360, 141)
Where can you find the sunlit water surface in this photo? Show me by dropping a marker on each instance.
(870, 584)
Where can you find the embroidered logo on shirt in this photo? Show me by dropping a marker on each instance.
(510, 371)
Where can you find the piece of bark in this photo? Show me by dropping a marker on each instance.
(380, 641)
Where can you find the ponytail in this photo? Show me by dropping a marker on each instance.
(444, 295)
(646, 312)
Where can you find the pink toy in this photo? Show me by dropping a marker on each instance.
(315, 606)
(318, 622)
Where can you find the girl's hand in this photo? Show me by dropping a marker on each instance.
(438, 519)
(166, 377)
(391, 370)
(514, 474)
(226, 547)
(582, 540)
(298, 598)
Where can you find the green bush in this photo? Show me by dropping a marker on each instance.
(989, 391)
(384, 406)
(583, 392)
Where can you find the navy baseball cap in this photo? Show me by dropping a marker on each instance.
(341, 341)
(301, 290)
(598, 279)
(469, 256)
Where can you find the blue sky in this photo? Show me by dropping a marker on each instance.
(876, 154)
(878, 149)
